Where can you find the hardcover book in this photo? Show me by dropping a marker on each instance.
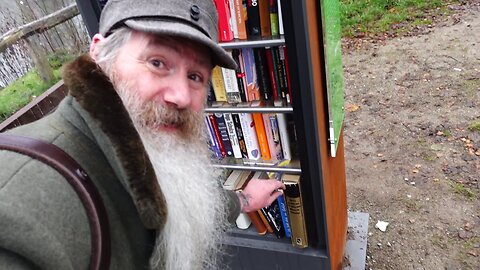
(225, 30)
(218, 84)
(273, 10)
(237, 153)
(293, 197)
(240, 18)
(253, 91)
(262, 73)
(265, 27)
(240, 72)
(222, 127)
(284, 136)
(253, 19)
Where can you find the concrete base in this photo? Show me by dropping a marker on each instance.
(356, 246)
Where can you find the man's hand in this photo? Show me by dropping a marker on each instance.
(259, 193)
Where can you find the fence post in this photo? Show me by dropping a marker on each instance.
(40, 60)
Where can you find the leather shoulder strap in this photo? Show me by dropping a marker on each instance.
(56, 158)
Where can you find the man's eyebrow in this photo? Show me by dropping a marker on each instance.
(172, 44)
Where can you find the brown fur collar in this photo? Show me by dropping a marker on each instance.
(95, 93)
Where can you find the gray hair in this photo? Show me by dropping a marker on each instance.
(110, 47)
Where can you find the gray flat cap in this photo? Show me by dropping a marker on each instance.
(192, 19)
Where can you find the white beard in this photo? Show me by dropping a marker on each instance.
(196, 204)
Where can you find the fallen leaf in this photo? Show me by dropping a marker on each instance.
(436, 147)
(351, 107)
(415, 171)
(473, 253)
(468, 226)
(411, 220)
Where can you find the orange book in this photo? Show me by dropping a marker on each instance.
(265, 26)
(261, 135)
(257, 222)
(240, 18)
(265, 222)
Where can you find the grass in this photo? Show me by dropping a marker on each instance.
(462, 190)
(474, 126)
(25, 89)
(377, 16)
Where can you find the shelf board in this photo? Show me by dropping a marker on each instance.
(249, 109)
(251, 239)
(258, 167)
(255, 43)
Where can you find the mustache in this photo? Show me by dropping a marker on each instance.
(153, 115)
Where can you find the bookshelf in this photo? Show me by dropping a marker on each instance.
(323, 176)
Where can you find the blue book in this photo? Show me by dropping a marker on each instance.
(212, 142)
(283, 212)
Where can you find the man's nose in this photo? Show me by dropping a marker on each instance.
(178, 92)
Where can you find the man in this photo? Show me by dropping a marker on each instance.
(133, 119)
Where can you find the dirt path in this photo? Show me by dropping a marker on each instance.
(411, 159)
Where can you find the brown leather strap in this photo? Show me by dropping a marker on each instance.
(81, 183)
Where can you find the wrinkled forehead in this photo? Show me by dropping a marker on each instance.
(183, 46)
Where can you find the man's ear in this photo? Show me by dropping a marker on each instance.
(94, 46)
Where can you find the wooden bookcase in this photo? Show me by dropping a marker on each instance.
(323, 177)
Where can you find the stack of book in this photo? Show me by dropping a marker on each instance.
(248, 19)
(284, 217)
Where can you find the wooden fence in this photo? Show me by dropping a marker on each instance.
(37, 108)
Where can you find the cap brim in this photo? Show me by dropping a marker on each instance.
(220, 56)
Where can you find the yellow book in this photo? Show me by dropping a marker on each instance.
(218, 84)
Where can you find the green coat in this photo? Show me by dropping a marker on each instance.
(42, 221)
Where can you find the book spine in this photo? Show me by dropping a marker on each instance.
(261, 136)
(253, 92)
(240, 19)
(269, 55)
(265, 27)
(237, 153)
(273, 10)
(216, 132)
(225, 32)
(280, 18)
(253, 21)
(240, 73)
(273, 214)
(210, 94)
(284, 137)
(286, 71)
(239, 132)
(249, 135)
(293, 197)
(273, 138)
(213, 141)
(233, 18)
(265, 221)
(222, 127)
(257, 222)
(262, 73)
(231, 85)
(218, 84)
(282, 206)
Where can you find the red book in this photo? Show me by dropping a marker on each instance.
(289, 96)
(271, 72)
(216, 131)
(225, 30)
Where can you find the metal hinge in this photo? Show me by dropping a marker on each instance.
(331, 139)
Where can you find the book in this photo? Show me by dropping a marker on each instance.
(267, 224)
(272, 212)
(257, 222)
(253, 19)
(239, 132)
(237, 153)
(240, 73)
(212, 142)
(240, 18)
(218, 84)
(225, 30)
(293, 197)
(280, 17)
(223, 129)
(233, 18)
(262, 73)
(283, 131)
(253, 91)
(249, 135)
(273, 11)
(285, 71)
(231, 85)
(261, 133)
(273, 136)
(210, 93)
(265, 27)
(272, 72)
(217, 135)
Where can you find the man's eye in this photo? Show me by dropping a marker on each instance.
(157, 63)
(196, 77)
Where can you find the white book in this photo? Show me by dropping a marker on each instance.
(249, 135)
(232, 135)
(282, 128)
(273, 136)
(231, 85)
(233, 21)
(280, 19)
